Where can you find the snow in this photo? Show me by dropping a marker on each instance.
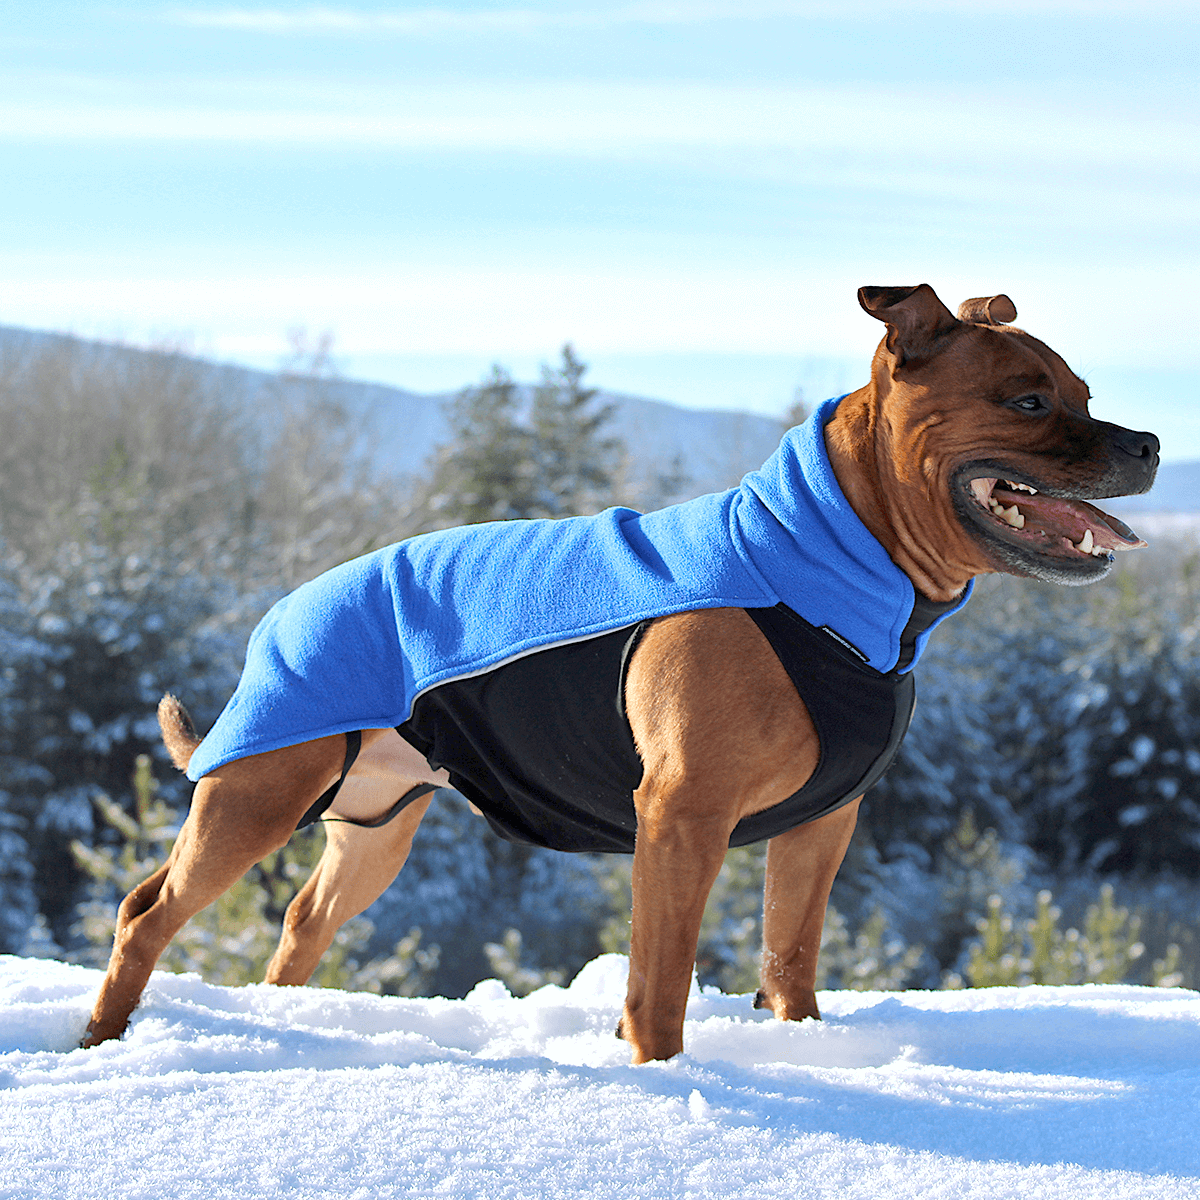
(260, 1092)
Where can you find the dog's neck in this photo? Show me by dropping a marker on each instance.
(883, 488)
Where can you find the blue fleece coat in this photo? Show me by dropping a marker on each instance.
(353, 648)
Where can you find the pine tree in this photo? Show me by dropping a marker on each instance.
(729, 950)
(1010, 952)
(504, 462)
(114, 633)
(730, 943)
(488, 471)
(575, 463)
(152, 513)
(19, 650)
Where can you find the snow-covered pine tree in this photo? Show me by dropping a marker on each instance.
(136, 503)
(116, 633)
(1138, 810)
(20, 651)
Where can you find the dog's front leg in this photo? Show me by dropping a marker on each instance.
(676, 860)
(801, 867)
(721, 733)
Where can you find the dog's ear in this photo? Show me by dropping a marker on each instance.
(988, 310)
(914, 316)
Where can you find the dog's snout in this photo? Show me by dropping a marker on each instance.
(1139, 445)
(1133, 462)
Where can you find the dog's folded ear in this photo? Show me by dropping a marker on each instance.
(915, 318)
(988, 310)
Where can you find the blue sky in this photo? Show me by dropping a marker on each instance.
(691, 192)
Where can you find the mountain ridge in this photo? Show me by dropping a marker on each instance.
(713, 447)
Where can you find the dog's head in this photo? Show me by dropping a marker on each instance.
(998, 427)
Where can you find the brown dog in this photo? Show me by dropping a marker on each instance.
(970, 451)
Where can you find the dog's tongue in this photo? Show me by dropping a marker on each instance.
(1072, 519)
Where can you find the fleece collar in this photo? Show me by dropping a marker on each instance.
(800, 534)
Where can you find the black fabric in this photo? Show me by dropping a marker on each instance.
(543, 748)
(541, 745)
(861, 717)
(353, 746)
(923, 615)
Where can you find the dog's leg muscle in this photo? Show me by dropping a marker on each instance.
(239, 815)
(674, 865)
(801, 866)
(355, 868)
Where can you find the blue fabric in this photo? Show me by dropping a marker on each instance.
(353, 648)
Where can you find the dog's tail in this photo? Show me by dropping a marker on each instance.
(178, 732)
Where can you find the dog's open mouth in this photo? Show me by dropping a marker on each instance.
(1024, 520)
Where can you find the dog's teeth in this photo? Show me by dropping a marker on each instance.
(1023, 487)
(1016, 518)
(1086, 543)
(982, 488)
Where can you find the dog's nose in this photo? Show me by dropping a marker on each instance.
(1140, 445)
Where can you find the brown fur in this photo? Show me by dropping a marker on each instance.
(178, 733)
(720, 728)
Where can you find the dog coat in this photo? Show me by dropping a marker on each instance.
(543, 748)
(355, 647)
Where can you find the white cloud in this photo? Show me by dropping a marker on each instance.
(773, 129)
(451, 20)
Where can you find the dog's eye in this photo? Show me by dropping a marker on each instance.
(1030, 402)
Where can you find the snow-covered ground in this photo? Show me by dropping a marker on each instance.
(267, 1092)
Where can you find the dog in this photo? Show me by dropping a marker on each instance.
(728, 670)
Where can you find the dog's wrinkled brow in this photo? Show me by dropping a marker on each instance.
(1026, 381)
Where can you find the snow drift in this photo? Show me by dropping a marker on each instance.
(269, 1092)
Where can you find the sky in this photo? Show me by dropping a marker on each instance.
(691, 193)
(261, 1093)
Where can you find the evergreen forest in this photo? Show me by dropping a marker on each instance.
(1042, 824)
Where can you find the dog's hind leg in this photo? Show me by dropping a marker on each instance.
(801, 866)
(355, 868)
(239, 815)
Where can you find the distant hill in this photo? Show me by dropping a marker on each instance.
(713, 447)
